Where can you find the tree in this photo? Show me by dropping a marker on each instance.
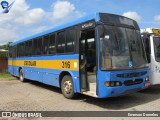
(6, 46)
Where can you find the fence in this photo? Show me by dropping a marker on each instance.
(3, 64)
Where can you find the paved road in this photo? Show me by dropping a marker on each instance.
(34, 96)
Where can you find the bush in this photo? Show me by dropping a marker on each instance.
(3, 70)
(3, 54)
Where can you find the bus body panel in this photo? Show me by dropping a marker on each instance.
(46, 75)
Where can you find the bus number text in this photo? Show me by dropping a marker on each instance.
(65, 64)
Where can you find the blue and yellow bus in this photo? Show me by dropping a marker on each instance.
(100, 55)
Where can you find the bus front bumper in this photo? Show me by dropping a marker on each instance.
(121, 90)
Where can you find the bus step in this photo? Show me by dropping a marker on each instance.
(92, 87)
(90, 93)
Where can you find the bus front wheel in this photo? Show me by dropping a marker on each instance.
(21, 76)
(67, 87)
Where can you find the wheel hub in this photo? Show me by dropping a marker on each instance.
(67, 87)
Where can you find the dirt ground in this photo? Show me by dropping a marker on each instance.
(34, 96)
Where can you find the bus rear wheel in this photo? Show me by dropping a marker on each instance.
(21, 76)
(67, 87)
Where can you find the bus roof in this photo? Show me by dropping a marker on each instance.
(151, 31)
(69, 24)
(94, 16)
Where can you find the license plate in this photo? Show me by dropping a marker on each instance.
(147, 84)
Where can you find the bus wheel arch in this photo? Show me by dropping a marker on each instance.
(19, 69)
(67, 85)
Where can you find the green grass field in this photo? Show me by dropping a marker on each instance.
(6, 76)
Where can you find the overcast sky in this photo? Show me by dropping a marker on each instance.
(28, 17)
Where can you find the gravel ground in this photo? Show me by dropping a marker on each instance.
(34, 96)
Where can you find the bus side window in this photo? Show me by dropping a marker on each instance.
(51, 46)
(37, 45)
(20, 50)
(28, 48)
(46, 44)
(70, 39)
(147, 48)
(61, 42)
(14, 51)
(10, 52)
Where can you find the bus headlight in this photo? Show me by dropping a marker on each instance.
(147, 78)
(113, 83)
(118, 84)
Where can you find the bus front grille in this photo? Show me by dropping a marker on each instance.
(130, 75)
(133, 82)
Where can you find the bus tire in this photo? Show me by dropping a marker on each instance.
(67, 87)
(21, 76)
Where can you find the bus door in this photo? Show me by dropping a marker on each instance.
(87, 58)
(147, 46)
(83, 62)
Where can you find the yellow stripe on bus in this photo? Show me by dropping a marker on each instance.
(49, 64)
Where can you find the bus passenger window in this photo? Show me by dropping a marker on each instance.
(20, 51)
(61, 42)
(14, 54)
(10, 52)
(70, 38)
(46, 43)
(51, 46)
(37, 45)
(28, 48)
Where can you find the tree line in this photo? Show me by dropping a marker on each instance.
(4, 54)
(5, 46)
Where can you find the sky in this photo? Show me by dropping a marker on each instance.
(28, 17)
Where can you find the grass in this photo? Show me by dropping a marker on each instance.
(7, 76)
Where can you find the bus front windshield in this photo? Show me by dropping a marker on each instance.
(121, 48)
(157, 48)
